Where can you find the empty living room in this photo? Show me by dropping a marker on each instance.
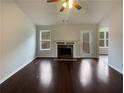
(61, 46)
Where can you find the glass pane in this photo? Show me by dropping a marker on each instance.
(101, 43)
(45, 35)
(86, 40)
(107, 43)
(86, 37)
(86, 47)
(107, 35)
(45, 45)
(101, 35)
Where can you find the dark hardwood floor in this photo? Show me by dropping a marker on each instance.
(49, 76)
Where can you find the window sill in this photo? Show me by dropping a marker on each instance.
(103, 47)
(45, 49)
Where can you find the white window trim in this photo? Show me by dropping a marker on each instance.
(105, 39)
(41, 31)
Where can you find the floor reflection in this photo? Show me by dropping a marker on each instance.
(45, 73)
(85, 74)
(103, 69)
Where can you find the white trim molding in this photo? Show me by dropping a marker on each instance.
(21, 67)
(115, 69)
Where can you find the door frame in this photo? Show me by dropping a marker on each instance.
(90, 44)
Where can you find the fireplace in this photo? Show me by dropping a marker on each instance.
(65, 51)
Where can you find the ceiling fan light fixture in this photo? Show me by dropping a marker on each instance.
(64, 5)
(67, 4)
(71, 3)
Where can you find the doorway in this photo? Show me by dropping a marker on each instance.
(86, 46)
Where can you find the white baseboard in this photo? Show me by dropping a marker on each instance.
(46, 56)
(7, 77)
(73, 57)
(116, 69)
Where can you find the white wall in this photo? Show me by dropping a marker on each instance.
(0, 35)
(115, 23)
(67, 32)
(18, 39)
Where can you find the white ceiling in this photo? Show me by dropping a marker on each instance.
(42, 13)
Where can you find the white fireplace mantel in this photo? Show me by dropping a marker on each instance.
(67, 42)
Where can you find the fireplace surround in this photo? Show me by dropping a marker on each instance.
(65, 49)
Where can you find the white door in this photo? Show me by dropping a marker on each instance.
(85, 44)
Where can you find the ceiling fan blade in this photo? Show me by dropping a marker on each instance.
(50, 1)
(76, 5)
(62, 9)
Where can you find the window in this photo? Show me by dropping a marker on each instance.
(103, 38)
(45, 40)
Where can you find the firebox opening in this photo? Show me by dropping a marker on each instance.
(65, 51)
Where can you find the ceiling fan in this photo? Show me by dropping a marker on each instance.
(67, 4)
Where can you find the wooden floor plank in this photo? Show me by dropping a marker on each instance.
(52, 76)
